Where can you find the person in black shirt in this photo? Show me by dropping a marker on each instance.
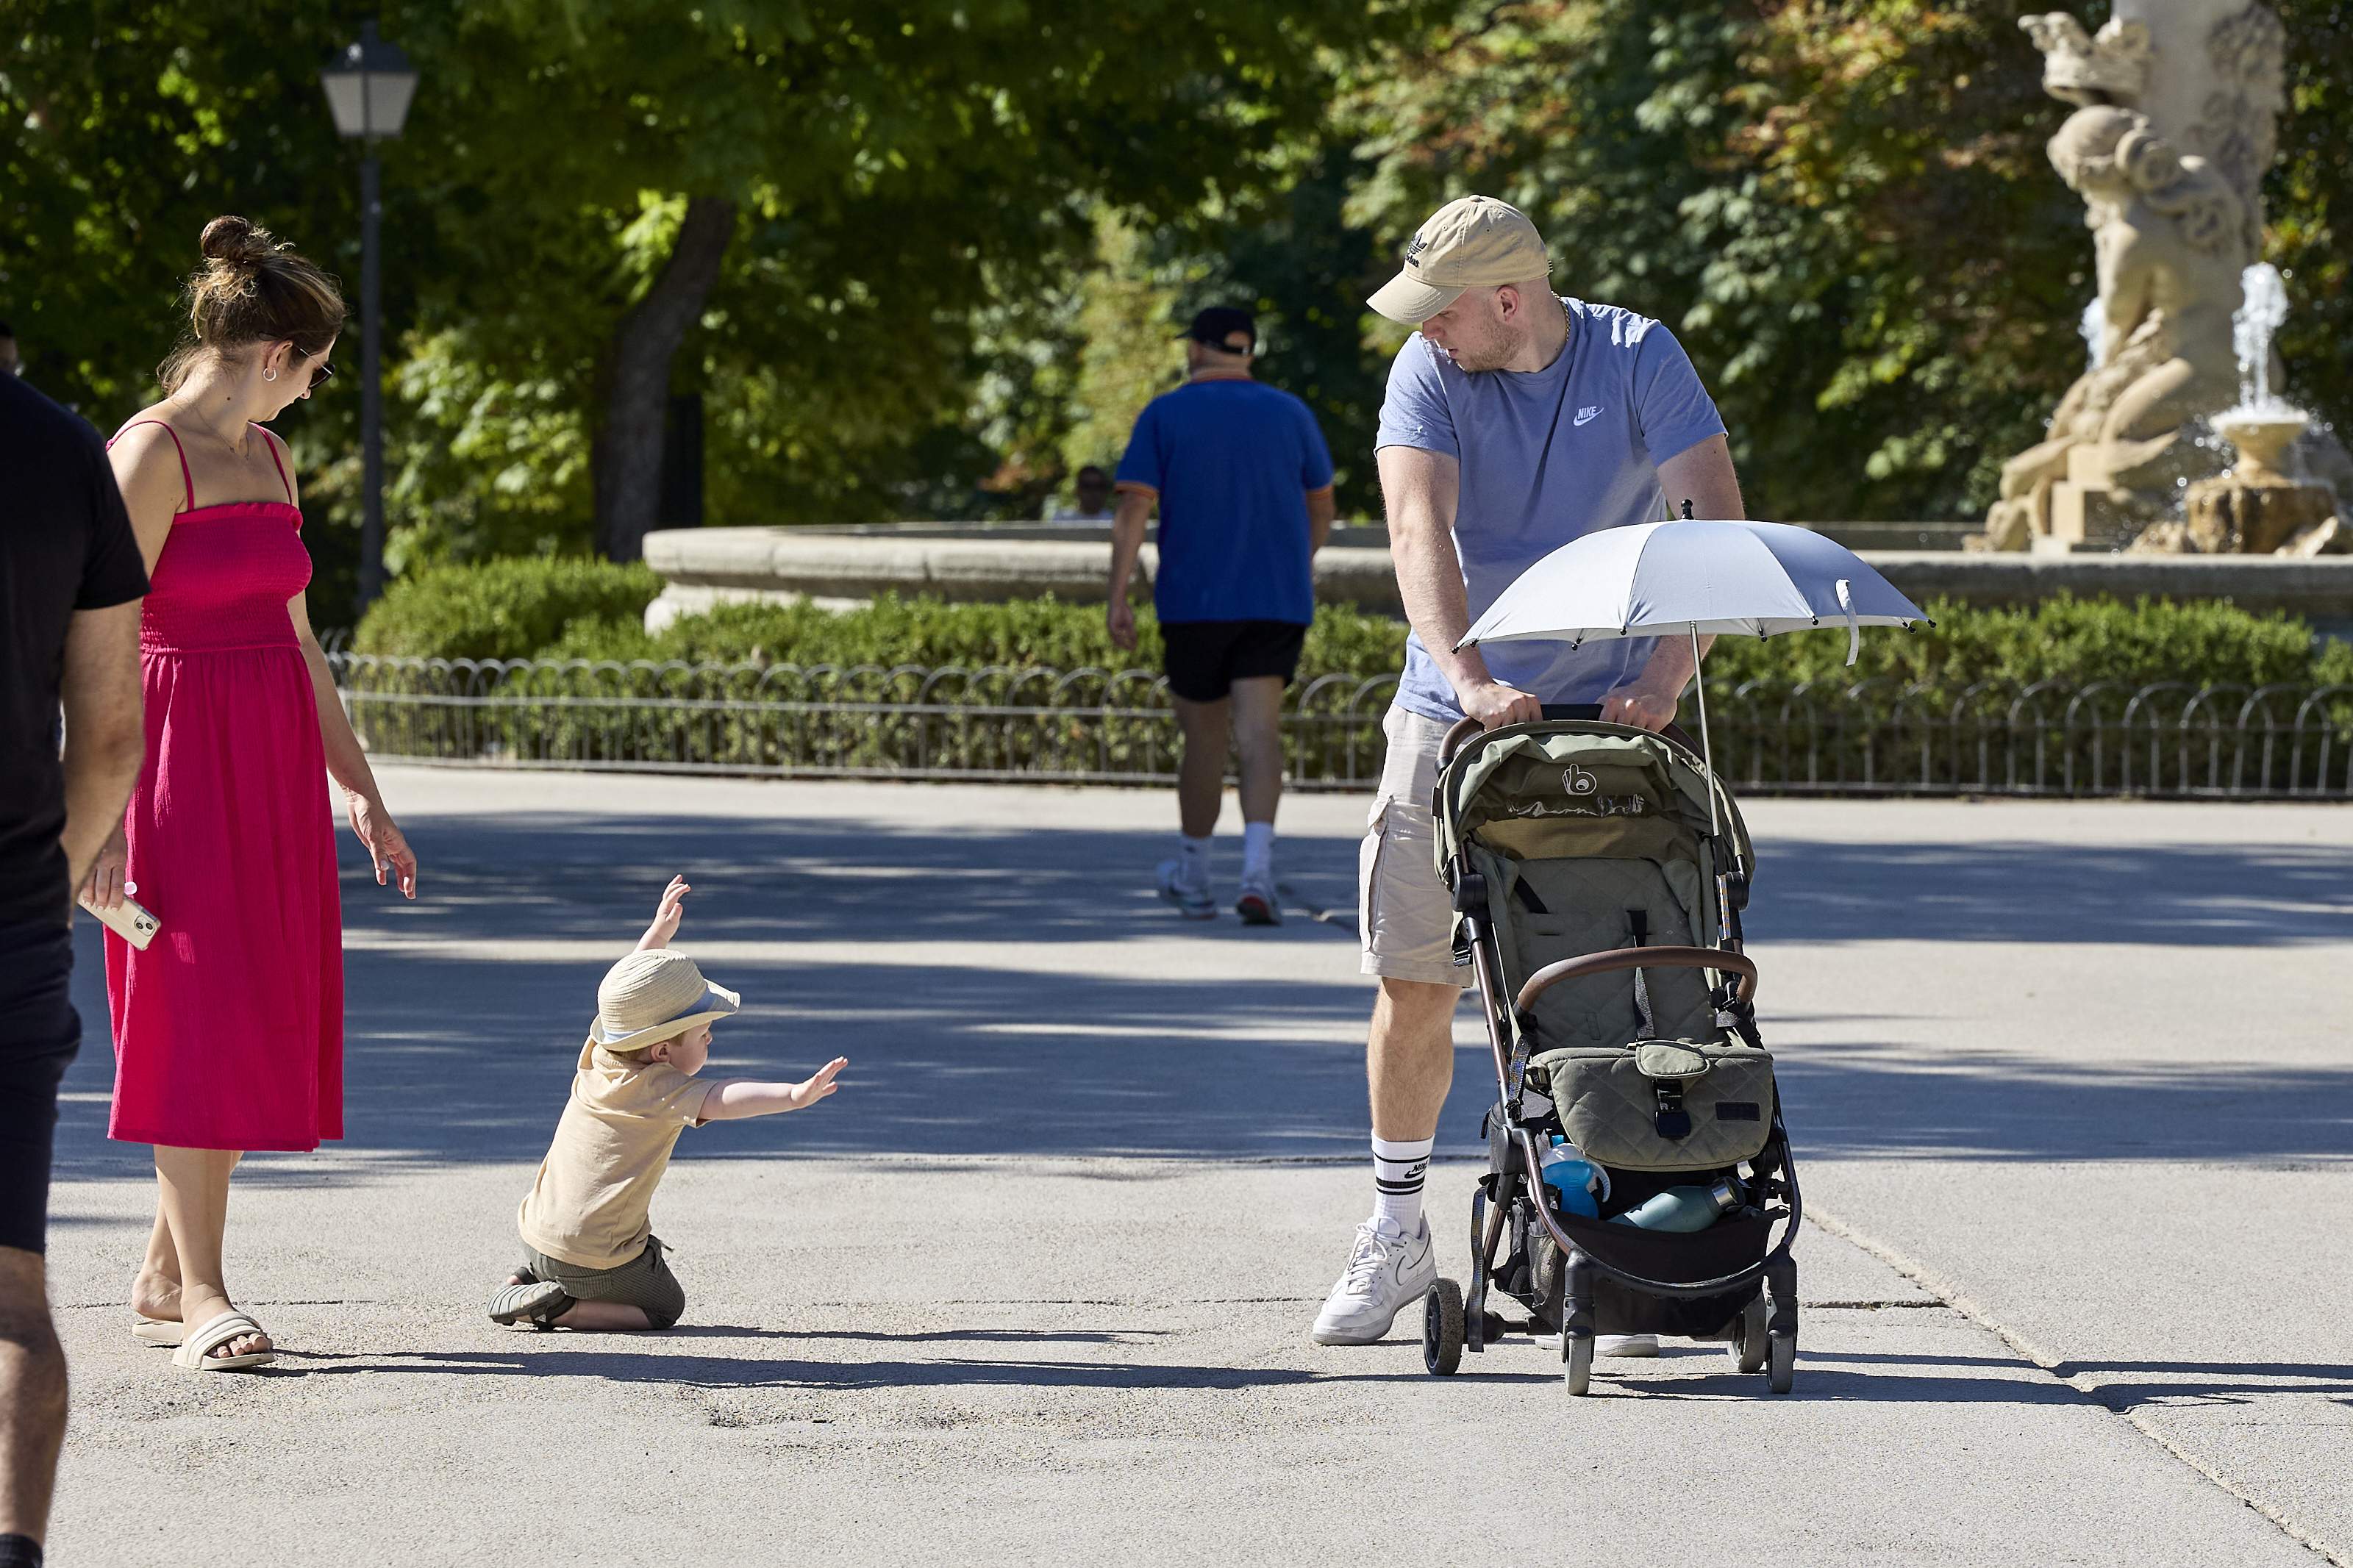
(70, 582)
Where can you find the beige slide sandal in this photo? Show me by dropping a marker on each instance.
(166, 1332)
(195, 1352)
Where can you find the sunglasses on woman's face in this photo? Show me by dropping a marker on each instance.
(321, 372)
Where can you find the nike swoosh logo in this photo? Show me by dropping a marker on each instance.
(1587, 415)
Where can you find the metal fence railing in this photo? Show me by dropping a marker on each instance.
(1095, 726)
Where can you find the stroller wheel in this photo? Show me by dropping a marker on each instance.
(1493, 1327)
(1748, 1348)
(1577, 1362)
(1441, 1328)
(1781, 1362)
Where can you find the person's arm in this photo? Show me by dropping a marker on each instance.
(146, 469)
(1701, 474)
(106, 741)
(1315, 479)
(348, 766)
(1135, 503)
(1422, 490)
(667, 915)
(736, 1098)
(1319, 517)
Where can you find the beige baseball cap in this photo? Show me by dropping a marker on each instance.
(653, 996)
(1474, 242)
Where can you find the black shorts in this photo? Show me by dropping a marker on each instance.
(1206, 657)
(39, 1036)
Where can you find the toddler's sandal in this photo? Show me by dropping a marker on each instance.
(540, 1301)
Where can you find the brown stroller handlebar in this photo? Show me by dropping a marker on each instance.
(1466, 729)
(1619, 958)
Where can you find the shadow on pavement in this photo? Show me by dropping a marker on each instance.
(1878, 1101)
(2177, 894)
(999, 1046)
(730, 1372)
(935, 1336)
(1814, 1381)
(2173, 1383)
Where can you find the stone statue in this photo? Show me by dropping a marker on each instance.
(2081, 68)
(2167, 233)
(2174, 129)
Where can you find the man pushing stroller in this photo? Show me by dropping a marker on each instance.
(1516, 419)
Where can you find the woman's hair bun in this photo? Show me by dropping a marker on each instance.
(252, 290)
(234, 240)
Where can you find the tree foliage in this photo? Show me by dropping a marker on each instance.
(1842, 209)
(903, 177)
(964, 231)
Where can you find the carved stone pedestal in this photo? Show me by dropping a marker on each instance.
(2231, 517)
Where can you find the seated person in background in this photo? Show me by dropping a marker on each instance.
(590, 1258)
(1093, 490)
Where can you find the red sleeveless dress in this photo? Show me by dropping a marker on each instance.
(228, 1030)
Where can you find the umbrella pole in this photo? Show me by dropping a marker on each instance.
(1699, 681)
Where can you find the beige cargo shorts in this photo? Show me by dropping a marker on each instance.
(1403, 911)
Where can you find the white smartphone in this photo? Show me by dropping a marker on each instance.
(128, 921)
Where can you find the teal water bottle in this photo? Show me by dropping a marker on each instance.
(1577, 1184)
(1683, 1209)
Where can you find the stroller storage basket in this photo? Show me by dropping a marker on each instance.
(1731, 1245)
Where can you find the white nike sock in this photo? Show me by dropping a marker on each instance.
(1192, 861)
(1398, 1168)
(1258, 849)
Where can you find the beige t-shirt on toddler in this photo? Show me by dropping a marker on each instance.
(595, 1189)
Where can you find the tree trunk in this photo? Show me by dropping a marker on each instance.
(628, 448)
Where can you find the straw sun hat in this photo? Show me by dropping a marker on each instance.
(653, 996)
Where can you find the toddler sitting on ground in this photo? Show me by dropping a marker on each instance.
(590, 1258)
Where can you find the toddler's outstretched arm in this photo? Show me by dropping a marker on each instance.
(667, 915)
(741, 1097)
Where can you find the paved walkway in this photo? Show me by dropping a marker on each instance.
(2070, 1083)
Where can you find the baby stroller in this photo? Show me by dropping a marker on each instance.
(1600, 911)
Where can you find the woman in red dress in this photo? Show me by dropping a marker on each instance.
(228, 1030)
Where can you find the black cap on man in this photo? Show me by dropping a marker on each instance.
(1225, 327)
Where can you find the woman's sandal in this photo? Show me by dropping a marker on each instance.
(166, 1333)
(541, 1301)
(195, 1352)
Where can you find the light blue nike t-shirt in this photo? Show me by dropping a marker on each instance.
(1627, 400)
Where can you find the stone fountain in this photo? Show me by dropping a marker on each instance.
(2261, 506)
(2177, 102)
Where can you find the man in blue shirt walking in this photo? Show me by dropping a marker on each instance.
(1518, 419)
(1243, 483)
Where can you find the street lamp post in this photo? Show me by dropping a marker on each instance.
(368, 89)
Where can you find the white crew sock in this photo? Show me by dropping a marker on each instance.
(1397, 1170)
(1192, 861)
(1258, 849)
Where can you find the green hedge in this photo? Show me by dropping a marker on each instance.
(2075, 641)
(892, 631)
(511, 608)
(559, 608)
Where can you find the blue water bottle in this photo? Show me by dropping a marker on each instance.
(1579, 1187)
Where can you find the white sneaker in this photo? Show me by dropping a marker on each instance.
(1259, 905)
(1629, 1345)
(1386, 1269)
(1192, 901)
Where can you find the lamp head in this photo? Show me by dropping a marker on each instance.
(368, 87)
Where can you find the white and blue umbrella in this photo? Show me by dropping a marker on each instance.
(1700, 577)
